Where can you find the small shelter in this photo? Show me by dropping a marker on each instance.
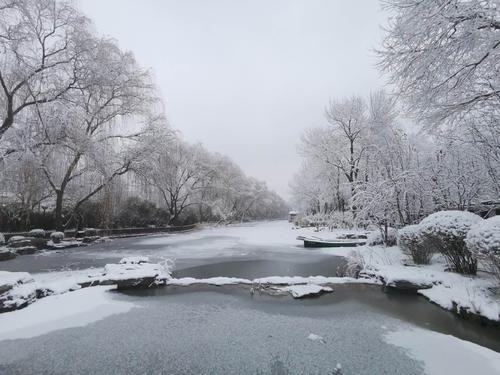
(292, 216)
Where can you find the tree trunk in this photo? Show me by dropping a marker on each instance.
(58, 211)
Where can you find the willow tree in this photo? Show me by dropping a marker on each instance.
(89, 138)
(41, 46)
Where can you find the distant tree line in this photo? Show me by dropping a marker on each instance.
(84, 140)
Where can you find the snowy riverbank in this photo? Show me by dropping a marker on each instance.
(477, 295)
(377, 265)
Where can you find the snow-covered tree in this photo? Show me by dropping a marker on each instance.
(178, 171)
(85, 141)
(443, 56)
(42, 45)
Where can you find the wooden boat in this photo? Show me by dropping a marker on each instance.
(319, 242)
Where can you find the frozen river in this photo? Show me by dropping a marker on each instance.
(358, 329)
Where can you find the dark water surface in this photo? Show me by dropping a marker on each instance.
(252, 269)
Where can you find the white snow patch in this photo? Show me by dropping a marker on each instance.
(314, 337)
(75, 309)
(14, 278)
(454, 356)
(292, 280)
(186, 281)
(271, 280)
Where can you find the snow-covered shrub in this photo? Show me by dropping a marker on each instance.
(57, 237)
(339, 219)
(37, 233)
(483, 240)
(412, 242)
(383, 236)
(2, 239)
(446, 232)
(355, 263)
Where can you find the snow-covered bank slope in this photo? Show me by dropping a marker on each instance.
(75, 309)
(452, 291)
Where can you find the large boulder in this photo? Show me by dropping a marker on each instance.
(25, 250)
(132, 272)
(6, 254)
(27, 245)
(19, 241)
(22, 245)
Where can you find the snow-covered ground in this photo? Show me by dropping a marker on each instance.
(86, 307)
(445, 354)
(75, 309)
(449, 290)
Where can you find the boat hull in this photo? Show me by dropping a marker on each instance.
(312, 243)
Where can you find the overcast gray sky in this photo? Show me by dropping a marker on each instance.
(247, 77)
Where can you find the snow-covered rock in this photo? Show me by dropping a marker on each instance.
(403, 278)
(26, 245)
(19, 241)
(307, 290)
(51, 245)
(17, 290)
(25, 250)
(6, 254)
(268, 281)
(465, 297)
(452, 291)
(133, 272)
(217, 281)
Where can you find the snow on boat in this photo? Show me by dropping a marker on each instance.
(337, 242)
